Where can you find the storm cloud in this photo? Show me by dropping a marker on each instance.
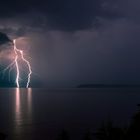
(69, 15)
(76, 42)
(4, 39)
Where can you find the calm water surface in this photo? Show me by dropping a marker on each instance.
(30, 114)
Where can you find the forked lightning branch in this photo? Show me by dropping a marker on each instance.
(17, 53)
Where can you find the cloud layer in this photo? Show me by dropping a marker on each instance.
(77, 42)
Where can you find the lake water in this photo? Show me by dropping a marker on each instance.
(32, 114)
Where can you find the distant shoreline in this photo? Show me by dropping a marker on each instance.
(107, 86)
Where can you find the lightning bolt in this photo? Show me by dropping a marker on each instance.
(18, 51)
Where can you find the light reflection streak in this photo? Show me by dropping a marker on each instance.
(23, 108)
(29, 101)
(18, 110)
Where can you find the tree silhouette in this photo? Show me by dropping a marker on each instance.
(87, 135)
(109, 132)
(2, 136)
(63, 136)
(133, 132)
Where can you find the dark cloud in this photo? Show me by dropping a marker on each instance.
(4, 39)
(69, 15)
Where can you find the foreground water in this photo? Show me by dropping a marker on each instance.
(32, 114)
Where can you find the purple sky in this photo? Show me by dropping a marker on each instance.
(76, 42)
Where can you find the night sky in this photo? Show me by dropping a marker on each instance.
(73, 42)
